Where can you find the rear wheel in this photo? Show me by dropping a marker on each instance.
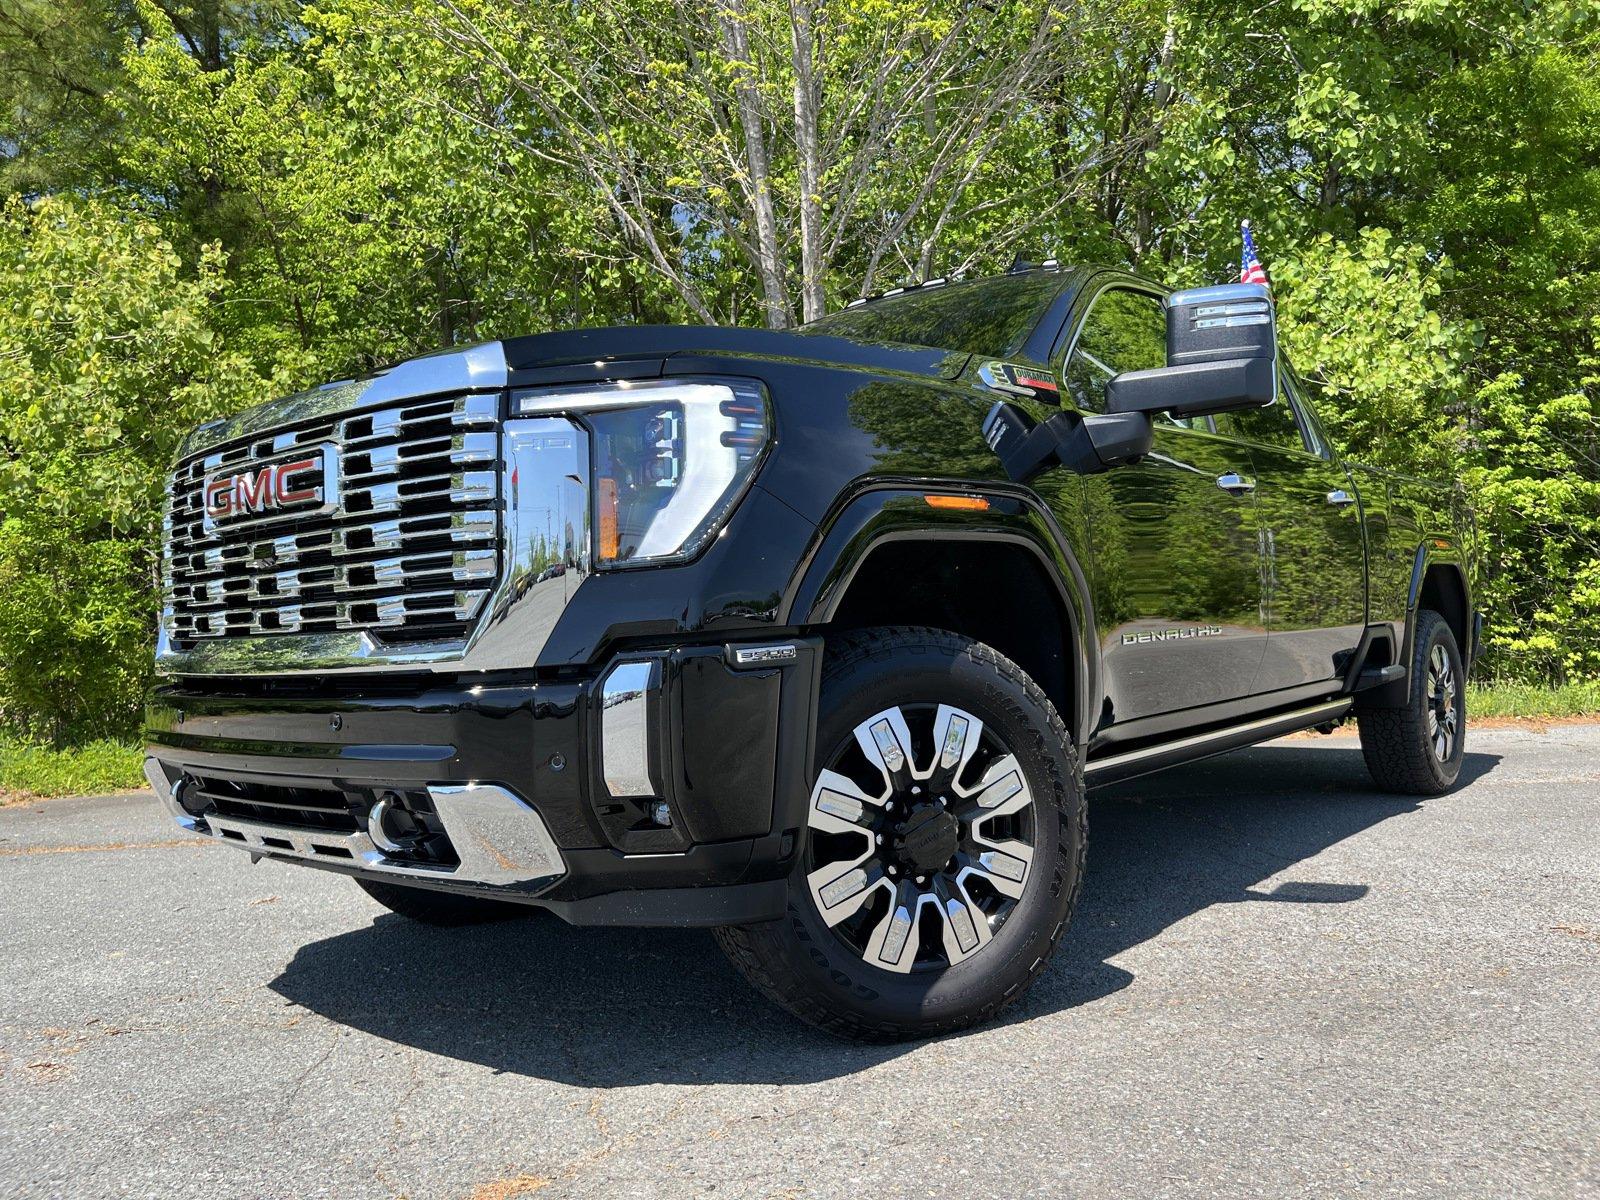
(1417, 749)
(945, 842)
(439, 908)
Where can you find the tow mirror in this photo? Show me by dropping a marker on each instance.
(1222, 355)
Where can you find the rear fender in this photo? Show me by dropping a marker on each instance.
(1442, 557)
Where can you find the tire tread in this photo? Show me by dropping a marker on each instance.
(1394, 741)
(755, 949)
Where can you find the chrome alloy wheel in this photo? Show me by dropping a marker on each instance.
(1442, 714)
(916, 867)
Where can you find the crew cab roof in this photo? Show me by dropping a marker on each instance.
(997, 316)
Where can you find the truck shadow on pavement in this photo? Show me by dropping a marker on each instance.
(625, 1007)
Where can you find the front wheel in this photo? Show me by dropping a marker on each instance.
(945, 842)
(1417, 750)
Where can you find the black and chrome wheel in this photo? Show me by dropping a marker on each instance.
(1443, 719)
(921, 837)
(945, 835)
(1417, 749)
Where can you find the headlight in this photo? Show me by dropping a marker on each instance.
(670, 458)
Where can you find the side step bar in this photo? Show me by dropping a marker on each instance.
(1115, 767)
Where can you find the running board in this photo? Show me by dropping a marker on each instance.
(1117, 767)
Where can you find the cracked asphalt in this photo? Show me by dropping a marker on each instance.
(1279, 983)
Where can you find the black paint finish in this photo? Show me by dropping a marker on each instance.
(863, 433)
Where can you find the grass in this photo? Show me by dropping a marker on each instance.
(1531, 701)
(29, 772)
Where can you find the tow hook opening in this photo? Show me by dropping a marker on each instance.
(405, 832)
(391, 828)
(189, 797)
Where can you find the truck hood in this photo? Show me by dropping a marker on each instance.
(491, 366)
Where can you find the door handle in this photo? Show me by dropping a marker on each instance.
(1236, 484)
(1340, 496)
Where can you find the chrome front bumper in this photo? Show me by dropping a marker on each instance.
(501, 841)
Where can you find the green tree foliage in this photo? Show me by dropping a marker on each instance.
(1361, 321)
(219, 198)
(106, 358)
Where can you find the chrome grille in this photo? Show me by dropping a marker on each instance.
(409, 553)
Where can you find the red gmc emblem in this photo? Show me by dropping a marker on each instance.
(296, 484)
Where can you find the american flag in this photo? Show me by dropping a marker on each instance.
(1250, 268)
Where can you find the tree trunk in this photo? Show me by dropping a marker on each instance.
(769, 263)
(807, 103)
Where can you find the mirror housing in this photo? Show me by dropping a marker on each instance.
(1222, 355)
(1085, 444)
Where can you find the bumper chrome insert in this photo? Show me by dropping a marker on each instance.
(625, 727)
(500, 839)
(168, 795)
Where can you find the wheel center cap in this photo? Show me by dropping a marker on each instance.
(928, 838)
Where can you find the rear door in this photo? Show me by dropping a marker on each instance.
(1315, 555)
(1176, 570)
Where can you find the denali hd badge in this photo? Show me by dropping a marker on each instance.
(1171, 635)
(307, 483)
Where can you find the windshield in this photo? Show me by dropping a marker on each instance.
(984, 316)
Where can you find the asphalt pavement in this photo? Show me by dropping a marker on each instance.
(1279, 983)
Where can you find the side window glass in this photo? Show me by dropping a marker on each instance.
(1271, 426)
(1124, 331)
(1320, 445)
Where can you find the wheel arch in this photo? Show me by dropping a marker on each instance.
(1438, 582)
(857, 575)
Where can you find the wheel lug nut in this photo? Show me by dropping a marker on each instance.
(878, 838)
(893, 872)
(916, 790)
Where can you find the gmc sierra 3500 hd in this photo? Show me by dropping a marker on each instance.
(813, 637)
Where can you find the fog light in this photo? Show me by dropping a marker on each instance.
(661, 813)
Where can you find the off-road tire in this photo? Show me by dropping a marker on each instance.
(798, 961)
(444, 909)
(1396, 742)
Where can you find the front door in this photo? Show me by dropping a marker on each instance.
(1175, 568)
(1315, 560)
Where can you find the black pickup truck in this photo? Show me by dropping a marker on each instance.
(812, 637)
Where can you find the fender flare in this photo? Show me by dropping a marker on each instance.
(1440, 550)
(1436, 550)
(897, 510)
